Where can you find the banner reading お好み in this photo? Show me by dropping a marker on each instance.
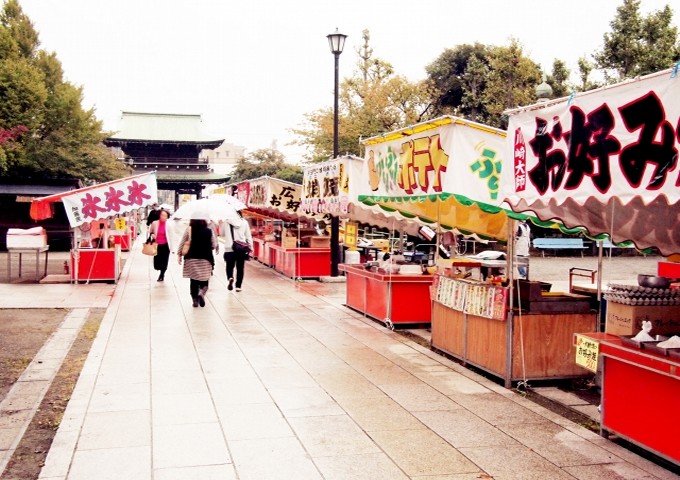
(605, 159)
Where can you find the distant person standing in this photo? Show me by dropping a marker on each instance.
(158, 234)
(231, 230)
(199, 260)
(522, 244)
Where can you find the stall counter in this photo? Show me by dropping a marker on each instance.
(394, 299)
(95, 264)
(300, 262)
(640, 391)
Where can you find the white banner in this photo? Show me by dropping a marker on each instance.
(326, 187)
(605, 159)
(110, 199)
(459, 157)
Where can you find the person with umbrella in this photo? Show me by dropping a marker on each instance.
(198, 258)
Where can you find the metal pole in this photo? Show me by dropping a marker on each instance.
(335, 220)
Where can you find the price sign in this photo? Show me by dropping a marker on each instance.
(351, 230)
(587, 351)
(120, 223)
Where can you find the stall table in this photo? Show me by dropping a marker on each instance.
(37, 251)
(640, 391)
(301, 262)
(395, 299)
(95, 264)
(258, 248)
(471, 322)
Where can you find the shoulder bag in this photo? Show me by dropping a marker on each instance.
(240, 248)
(187, 245)
(150, 248)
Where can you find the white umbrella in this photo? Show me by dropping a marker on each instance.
(206, 209)
(231, 200)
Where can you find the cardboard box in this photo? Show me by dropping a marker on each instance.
(627, 319)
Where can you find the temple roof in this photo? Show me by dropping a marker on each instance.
(162, 128)
(198, 177)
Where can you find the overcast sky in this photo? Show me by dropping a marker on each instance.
(253, 68)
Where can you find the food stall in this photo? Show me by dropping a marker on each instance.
(287, 240)
(102, 217)
(607, 160)
(447, 172)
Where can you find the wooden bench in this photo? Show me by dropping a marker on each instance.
(544, 244)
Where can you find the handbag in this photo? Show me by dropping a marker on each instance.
(150, 248)
(239, 247)
(187, 245)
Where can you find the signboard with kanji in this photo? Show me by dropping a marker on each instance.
(587, 351)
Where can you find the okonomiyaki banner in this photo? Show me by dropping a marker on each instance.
(110, 199)
(459, 157)
(326, 187)
(617, 142)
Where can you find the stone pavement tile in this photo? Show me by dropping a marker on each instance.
(131, 463)
(462, 428)
(237, 391)
(207, 472)
(13, 418)
(496, 409)
(254, 421)
(116, 429)
(589, 410)
(560, 396)
(513, 463)
(347, 383)
(561, 446)
(285, 377)
(58, 459)
(8, 436)
(611, 471)
(421, 397)
(378, 414)
(272, 459)
(177, 381)
(451, 383)
(178, 408)
(115, 374)
(304, 402)
(125, 396)
(387, 374)
(332, 436)
(369, 466)
(188, 445)
(422, 452)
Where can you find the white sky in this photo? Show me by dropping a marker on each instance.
(253, 68)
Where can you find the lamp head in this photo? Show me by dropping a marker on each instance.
(336, 41)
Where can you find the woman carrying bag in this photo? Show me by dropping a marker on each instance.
(198, 258)
(235, 232)
(158, 235)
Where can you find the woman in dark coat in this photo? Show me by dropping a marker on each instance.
(199, 260)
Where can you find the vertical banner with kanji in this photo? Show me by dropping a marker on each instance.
(112, 198)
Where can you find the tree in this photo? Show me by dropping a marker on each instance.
(372, 101)
(559, 78)
(511, 83)
(585, 68)
(638, 45)
(266, 162)
(61, 139)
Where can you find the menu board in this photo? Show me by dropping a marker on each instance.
(473, 298)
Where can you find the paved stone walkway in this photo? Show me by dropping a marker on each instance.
(280, 381)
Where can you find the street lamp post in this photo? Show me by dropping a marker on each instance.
(337, 42)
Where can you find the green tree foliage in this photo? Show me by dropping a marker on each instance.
(266, 162)
(559, 79)
(372, 101)
(62, 140)
(637, 44)
(479, 82)
(585, 68)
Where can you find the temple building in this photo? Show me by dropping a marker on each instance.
(171, 145)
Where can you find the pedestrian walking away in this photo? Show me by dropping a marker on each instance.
(154, 214)
(198, 258)
(158, 234)
(239, 230)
